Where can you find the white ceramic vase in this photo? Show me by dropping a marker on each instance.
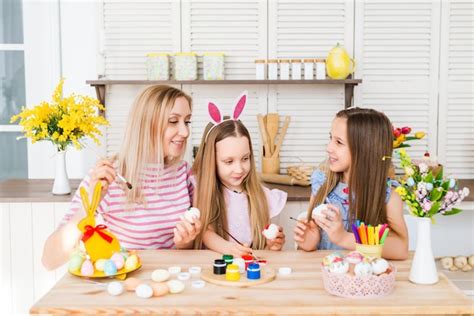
(61, 180)
(423, 268)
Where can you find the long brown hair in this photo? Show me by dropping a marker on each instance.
(369, 135)
(143, 139)
(210, 192)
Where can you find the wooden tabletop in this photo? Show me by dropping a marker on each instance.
(300, 293)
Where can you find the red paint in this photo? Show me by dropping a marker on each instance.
(248, 259)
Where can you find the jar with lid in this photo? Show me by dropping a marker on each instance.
(185, 66)
(296, 69)
(260, 69)
(158, 67)
(308, 68)
(213, 66)
(272, 69)
(284, 69)
(320, 68)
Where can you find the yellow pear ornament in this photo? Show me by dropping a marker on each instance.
(98, 241)
(338, 63)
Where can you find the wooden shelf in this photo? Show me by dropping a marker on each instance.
(101, 84)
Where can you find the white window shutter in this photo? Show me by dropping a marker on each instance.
(307, 29)
(456, 119)
(396, 47)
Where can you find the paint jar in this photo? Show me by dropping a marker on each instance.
(219, 266)
(213, 66)
(284, 69)
(232, 273)
(248, 259)
(272, 69)
(320, 69)
(253, 271)
(228, 259)
(185, 66)
(296, 69)
(308, 69)
(260, 69)
(157, 66)
(240, 263)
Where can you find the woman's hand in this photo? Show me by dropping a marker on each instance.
(185, 232)
(306, 235)
(331, 223)
(104, 172)
(278, 242)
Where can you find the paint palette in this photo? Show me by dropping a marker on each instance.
(267, 274)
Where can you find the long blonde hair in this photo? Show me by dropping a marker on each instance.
(210, 192)
(369, 135)
(143, 139)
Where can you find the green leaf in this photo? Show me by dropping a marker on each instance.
(452, 211)
(403, 146)
(436, 195)
(445, 185)
(410, 138)
(434, 208)
(428, 178)
(439, 176)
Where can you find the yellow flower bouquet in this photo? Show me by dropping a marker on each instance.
(63, 121)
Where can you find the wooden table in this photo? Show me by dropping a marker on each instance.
(300, 293)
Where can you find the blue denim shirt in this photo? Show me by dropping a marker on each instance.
(338, 197)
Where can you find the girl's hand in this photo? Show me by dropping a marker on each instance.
(238, 250)
(278, 242)
(104, 172)
(331, 223)
(185, 233)
(306, 235)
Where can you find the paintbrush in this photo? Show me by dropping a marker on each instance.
(237, 241)
(122, 178)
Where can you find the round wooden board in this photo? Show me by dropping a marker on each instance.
(121, 274)
(266, 275)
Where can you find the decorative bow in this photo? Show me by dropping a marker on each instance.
(99, 230)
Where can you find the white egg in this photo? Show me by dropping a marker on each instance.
(144, 291)
(379, 266)
(271, 231)
(363, 269)
(317, 211)
(115, 288)
(192, 214)
(339, 267)
(175, 286)
(160, 275)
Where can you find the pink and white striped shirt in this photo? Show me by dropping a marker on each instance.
(168, 194)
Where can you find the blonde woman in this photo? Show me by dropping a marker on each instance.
(235, 207)
(147, 215)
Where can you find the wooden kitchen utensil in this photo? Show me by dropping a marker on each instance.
(263, 134)
(272, 129)
(282, 179)
(282, 135)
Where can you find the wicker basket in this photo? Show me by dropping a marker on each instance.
(301, 172)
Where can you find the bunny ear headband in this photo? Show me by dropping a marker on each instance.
(216, 116)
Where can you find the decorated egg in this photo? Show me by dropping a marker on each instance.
(270, 231)
(131, 284)
(118, 259)
(379, 266)
(159, 289)
(192, 214)
(110, 268)
(354, 257)
(339, 267)
(144, 291)
(115, 288)
(99, 264)
(327, 260)
(160, 275)
(175, 286)
(75, 263)
(87, 268)
(131, 262)
(363, 269)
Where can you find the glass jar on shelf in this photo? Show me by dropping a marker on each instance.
(272, 69)
(260, 69)
(185, 66)
(284, 69)
(320, 68)
(213, 66)
(158, 67)
(308, 68)
(296, 69)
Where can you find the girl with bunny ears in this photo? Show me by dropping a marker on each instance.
(235, 207)
(149, 214)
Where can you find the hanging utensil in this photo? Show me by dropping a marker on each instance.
(282, 135)
(263, 134)
(273, 120)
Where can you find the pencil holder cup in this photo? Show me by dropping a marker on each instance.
(374, 251)
(271, 165)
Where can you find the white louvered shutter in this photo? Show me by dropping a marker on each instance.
(307, 29)
(237, 29)
(397, 52)
(130, 31)
(456, 119)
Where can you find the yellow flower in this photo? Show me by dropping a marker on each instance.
(420, 135)
(401, 191)
(409, 171)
